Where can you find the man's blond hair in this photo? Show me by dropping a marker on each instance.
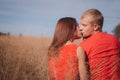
(95, 16)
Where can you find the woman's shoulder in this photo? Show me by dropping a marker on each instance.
(70, 46)
(68, 49)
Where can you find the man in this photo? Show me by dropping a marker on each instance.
(102, 49)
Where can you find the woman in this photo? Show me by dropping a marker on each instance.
(66, 60)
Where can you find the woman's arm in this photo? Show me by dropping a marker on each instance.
(82, 64)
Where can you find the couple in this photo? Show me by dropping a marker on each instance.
(96, 58)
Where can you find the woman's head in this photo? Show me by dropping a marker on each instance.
(66, 29)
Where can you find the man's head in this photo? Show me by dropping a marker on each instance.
(91, 22)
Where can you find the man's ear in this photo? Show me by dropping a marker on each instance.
(96, 27)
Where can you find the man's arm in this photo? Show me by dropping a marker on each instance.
(82, 64)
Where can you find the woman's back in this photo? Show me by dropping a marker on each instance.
(65, 66)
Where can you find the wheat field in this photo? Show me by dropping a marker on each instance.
(24, 58)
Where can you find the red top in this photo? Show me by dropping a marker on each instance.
(66, 66)
(103, 53)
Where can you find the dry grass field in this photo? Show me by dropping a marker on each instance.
(23, 58)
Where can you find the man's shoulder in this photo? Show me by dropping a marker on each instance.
(104, 35)
(99, 37)
(111, 36)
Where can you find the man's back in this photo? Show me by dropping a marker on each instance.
(103, 53)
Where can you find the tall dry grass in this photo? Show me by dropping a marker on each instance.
(23, 58)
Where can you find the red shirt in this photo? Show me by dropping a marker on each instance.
(103, 53)
(65, 67)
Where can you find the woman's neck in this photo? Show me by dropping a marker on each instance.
(69, 42)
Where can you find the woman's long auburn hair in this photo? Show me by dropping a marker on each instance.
(64, 31)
